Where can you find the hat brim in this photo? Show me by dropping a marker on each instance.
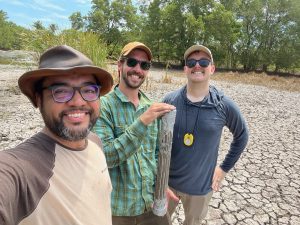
(28, 80)
(138, 46)
(195, 48)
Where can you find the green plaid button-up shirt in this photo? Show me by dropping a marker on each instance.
(131, 152)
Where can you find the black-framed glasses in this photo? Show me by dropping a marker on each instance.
(190, 63)
(132, 62)
(64, 93)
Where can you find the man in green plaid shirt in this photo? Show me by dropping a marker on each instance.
(128, 127)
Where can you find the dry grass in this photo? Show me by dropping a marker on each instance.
(9, 88)
(262, 79)
(166, 79)
(275, 82)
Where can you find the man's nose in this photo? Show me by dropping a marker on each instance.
(77, 99)
(138, 68)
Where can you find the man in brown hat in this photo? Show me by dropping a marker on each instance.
(59, 176)
(129, 129)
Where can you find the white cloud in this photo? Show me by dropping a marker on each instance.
(56, 15)
(38, 8)
(44, 20)
(23, 16)
(47, 4)
(83, 1)
(15, 2)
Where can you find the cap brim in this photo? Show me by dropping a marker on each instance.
(28, 80)
(195, 48)
(143, 47)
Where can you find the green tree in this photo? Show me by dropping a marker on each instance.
(3, 16)
(86, 42)
(152, 30)
(53, 28)
(10, 33)
(173, 32)
(38, 25)
(113, 21)
(4, 29)
(223, 32)
(250, 13)
(280, 41)
(77, 21)
(270, 32)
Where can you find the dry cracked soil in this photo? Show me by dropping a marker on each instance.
(264, 186)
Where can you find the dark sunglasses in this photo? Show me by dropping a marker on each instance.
(190, 63)
(132, 62)
(64, 93)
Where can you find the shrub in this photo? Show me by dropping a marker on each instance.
(86, 42)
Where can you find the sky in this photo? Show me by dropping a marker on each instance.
(26, 12)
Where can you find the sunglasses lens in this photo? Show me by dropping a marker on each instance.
(131, 62)
(190, 63)
(62, 93)
(90, 92)
(204, 62)
(145, 65)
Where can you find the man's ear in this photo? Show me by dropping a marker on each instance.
(38, 99)
(213, 68)
(120, 66)
(185, 68)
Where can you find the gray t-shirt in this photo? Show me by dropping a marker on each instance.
(43, 182)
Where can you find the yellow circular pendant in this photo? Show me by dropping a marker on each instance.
(188, 139)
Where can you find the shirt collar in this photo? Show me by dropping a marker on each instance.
(143, 98)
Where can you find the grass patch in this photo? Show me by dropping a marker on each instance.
(5, 61)
(166, 79)
(275, 82)
(4, 115)
(14, 89)
(17, 62)
(9, 89)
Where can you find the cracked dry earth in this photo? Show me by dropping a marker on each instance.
(264, 186)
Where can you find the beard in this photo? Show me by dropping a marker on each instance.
(57, 126)
(130, 84)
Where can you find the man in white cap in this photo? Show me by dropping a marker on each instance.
(59, 175)
(202, 112)
(129, 130)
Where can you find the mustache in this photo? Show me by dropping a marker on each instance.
(134, 73)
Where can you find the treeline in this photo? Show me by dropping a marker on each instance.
(40, 38)
(243, 34)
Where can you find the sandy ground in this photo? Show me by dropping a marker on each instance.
(264, 186)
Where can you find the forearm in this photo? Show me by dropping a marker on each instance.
(237, 146)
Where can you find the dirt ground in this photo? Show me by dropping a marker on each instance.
(264, 186)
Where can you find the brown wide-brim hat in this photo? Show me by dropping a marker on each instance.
(63, 60)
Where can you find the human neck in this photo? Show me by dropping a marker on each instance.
(131, 93)
(75, 145)
(196, 92)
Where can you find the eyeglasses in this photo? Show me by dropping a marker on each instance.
(64, 93)
(190, 63)
(132, 62)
